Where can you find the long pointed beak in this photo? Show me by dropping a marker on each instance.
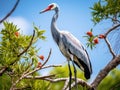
(45, 10)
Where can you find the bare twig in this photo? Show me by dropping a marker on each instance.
(29, 77)
(47, 58)
(110, 48)
(25, 75)
(2, 70)
(56, 80)
(66, 84)
(111, 29)
(39, 77)
(114, 19)
(37, 69)
(28, 68)
(104, 72)
(51, 66)
(18, 80)
(28, 45)
(12, 10)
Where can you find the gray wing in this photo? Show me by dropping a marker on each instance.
(75, 47)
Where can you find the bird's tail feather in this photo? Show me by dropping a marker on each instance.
(87, 71)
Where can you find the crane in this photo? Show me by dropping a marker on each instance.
(70, 47)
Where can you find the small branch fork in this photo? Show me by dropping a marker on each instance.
(107, 41)
(112, 29)
(26, 74)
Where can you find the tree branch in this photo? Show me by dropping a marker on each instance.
(37, 69)
(79, 81)
(39, 77)
(47, 58)
(12, 10)
(3, 70)
(82, 83)
(25, 75)
(50, 66)
(111, 29)
(66, 84)
(28, 45)
(114, 19)
(110, 48)
(104, 72)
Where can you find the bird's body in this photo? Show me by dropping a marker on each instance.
(69, 45)
(73, 50)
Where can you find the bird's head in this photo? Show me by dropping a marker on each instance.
(50, 7)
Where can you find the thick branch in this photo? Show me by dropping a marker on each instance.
(12, 10)
(104, 72)
(79, 81)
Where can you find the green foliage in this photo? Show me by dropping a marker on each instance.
(33, 84)
(105, 9)
(12, 44)
(111, 82)
(39, 32)
(5, 82)
(7, 51)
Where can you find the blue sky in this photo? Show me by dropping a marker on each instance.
(75, 17)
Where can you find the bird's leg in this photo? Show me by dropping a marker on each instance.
(70, 75)
(75, 72)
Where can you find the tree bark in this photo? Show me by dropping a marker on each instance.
(104, 72)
